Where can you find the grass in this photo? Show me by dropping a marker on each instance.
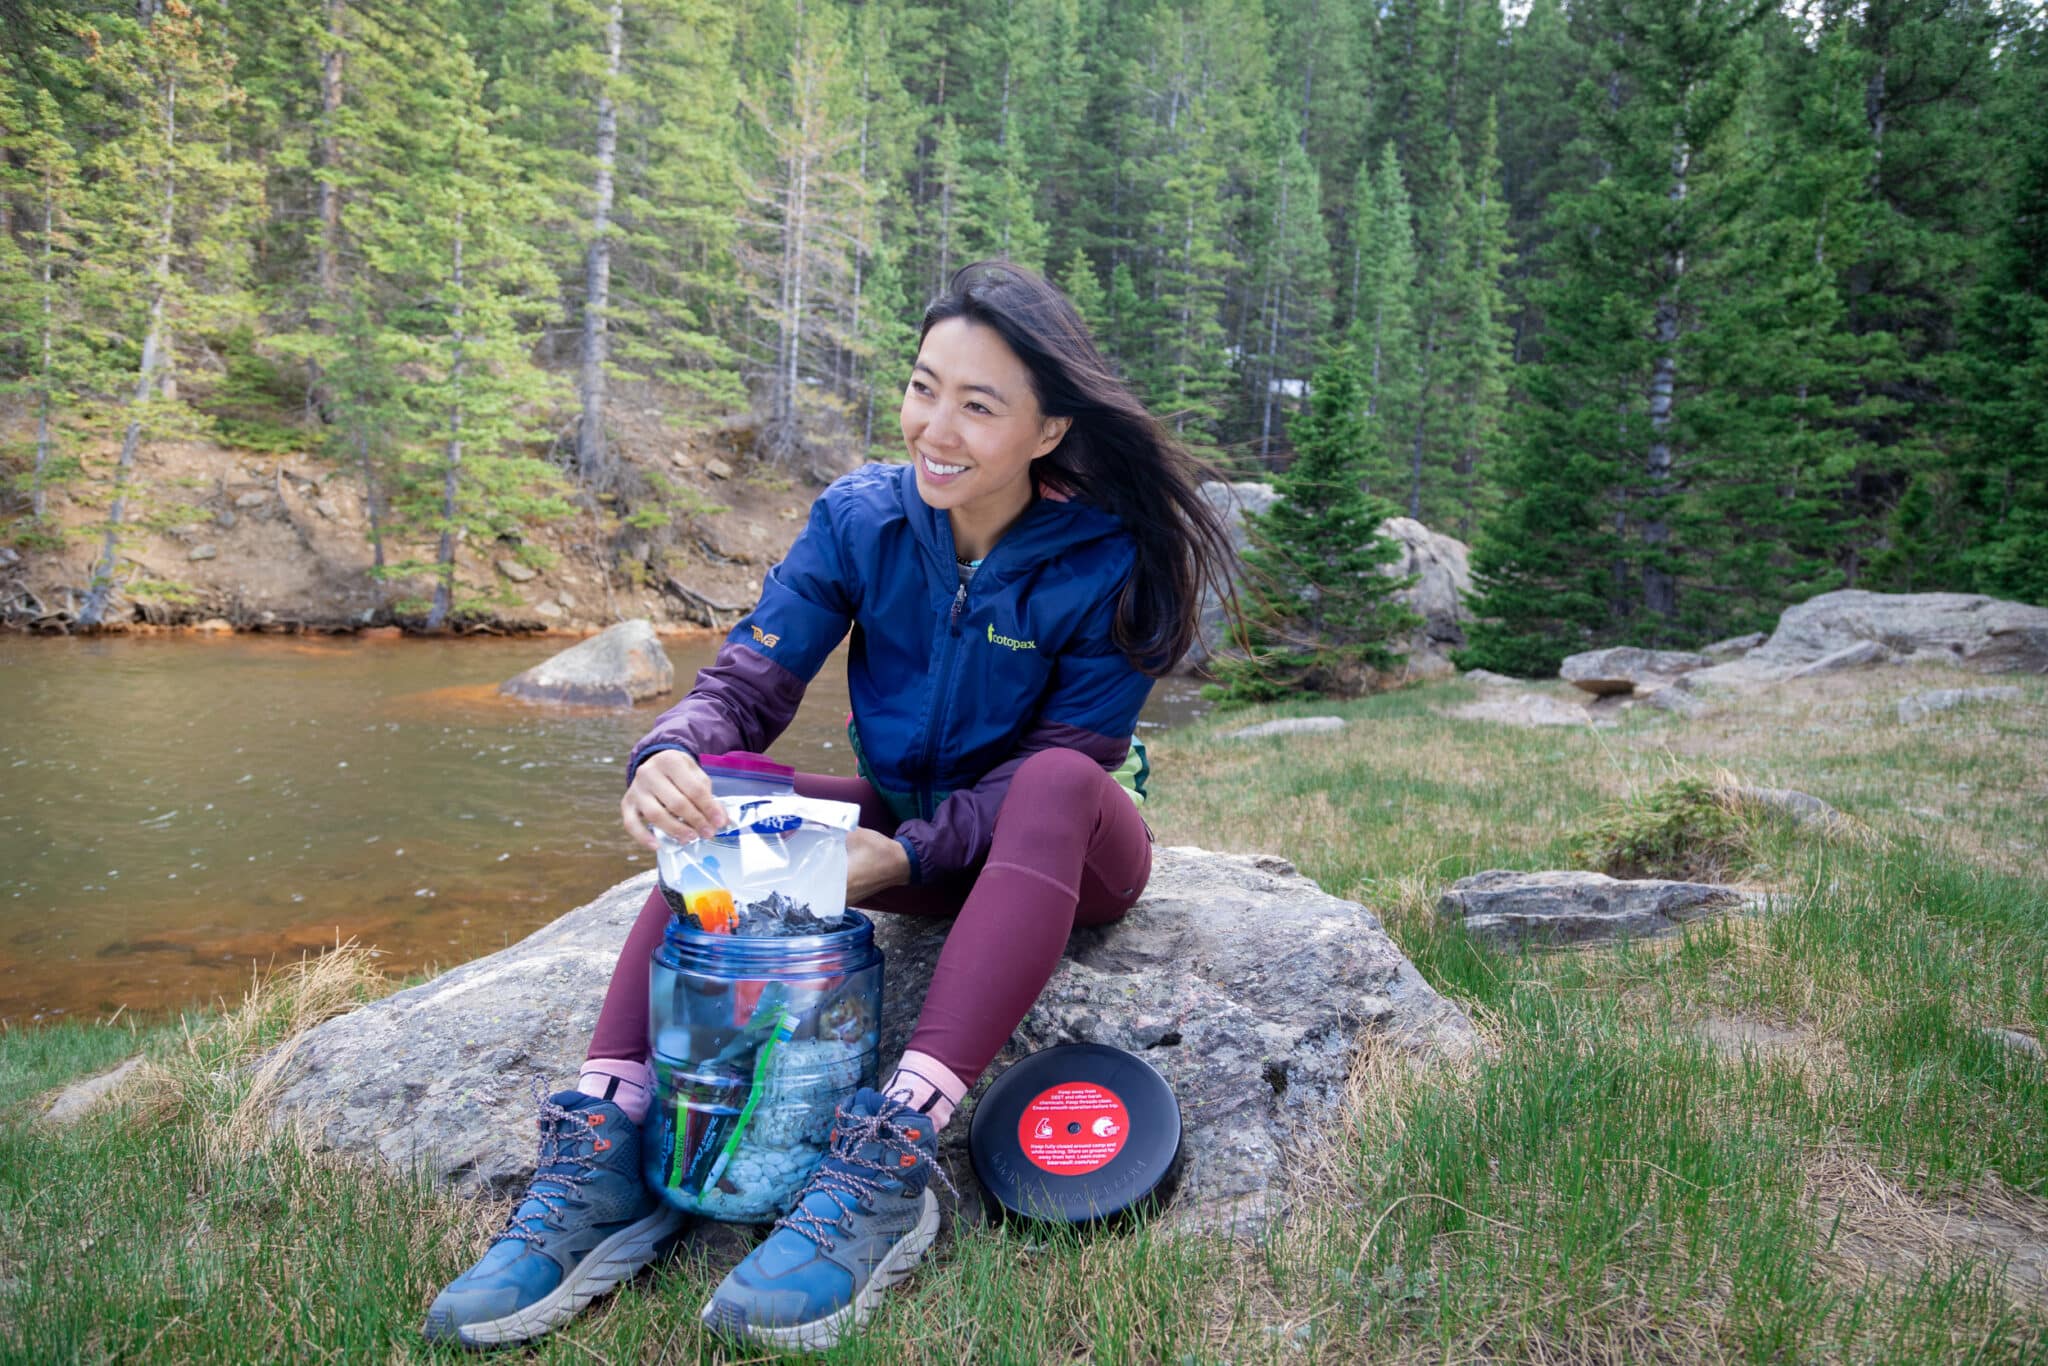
(1778, 1137)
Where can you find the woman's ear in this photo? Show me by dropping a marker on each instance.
(1051, 432)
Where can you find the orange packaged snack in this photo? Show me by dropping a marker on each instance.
(713, 910)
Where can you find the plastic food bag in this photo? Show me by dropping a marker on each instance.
(777, 869)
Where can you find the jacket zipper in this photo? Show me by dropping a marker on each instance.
(925, 805)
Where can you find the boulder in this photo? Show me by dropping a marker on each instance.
(326, 508)
(1528, 709)
(1487, 678)
(1968, 630)
(1802, 808)
(252, 500)
(1922, 705)
(717, 468)
(1572, 907)
(1677, 697)
(204, 552)
(1625, 668)
(1862, 655)
(1287, 725)
(80, 1098)
(615, 668)
(516, 571)
(1441, 565)
(1734, 647)
(1249, 988)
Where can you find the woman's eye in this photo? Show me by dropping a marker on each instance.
(917, 387)
(977, 405)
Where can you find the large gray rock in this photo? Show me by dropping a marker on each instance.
(1734, 647)
(1862, 655)
(1967, 630)
(1440, 564)
(1625, 668)
(1922, 705)
(1243, 983)
(1573, 907)
(1801, 808)
(615, 668)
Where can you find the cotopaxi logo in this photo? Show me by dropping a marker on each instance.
(1008, 642)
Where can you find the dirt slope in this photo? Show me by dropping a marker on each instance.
(266, 542)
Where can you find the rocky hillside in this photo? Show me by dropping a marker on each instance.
(281, 542)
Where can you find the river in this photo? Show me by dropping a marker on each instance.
(178, 812)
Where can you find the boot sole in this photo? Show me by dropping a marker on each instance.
(604, 1266)
(819, 1334)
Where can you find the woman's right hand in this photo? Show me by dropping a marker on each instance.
(669, 792)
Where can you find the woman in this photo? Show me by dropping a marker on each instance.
(1012, 592)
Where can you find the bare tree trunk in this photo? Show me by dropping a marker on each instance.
(101, 590)
(327, 248)
(1277, 293)
(43, 397)
(444, 559)
(1660, 585)
(592, 462)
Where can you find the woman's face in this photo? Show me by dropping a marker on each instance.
(973, 427)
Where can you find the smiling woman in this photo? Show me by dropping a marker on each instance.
(972, 442)
(1012, 593)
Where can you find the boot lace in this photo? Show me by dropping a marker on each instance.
(559, 1131)
(849, 1188)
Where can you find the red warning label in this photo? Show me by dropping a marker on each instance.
(1073, 1128)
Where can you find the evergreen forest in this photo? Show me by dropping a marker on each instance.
(1679, 311)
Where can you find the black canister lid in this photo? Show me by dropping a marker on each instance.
(1077, 1134)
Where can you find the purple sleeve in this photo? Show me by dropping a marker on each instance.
(749, 694)
(744, 700)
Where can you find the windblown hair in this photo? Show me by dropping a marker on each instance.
(1115, 455)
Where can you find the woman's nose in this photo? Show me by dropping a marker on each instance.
(939, 429)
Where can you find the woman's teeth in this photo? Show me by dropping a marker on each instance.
(936, 468)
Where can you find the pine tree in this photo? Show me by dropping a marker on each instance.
(1621, 412)
(1291, 260)
(796, 250)
(2004, 466)
(1383, 317)
(1320, 609)
(1924, 68)
(460, 287)
(40, 336)
(1476, 346)
(170, 228)
(1084, 290)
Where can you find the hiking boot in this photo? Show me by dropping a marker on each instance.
(860, 1224)
(588, 1222)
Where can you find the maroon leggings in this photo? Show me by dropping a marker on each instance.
(1069, 849)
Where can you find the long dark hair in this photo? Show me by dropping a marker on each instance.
(1115, 455)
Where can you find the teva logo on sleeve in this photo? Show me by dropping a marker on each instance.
(1009, 642)
(765, 637)
(1073, 1128)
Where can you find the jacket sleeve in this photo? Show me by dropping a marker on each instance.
(1092, 707)
(748, 695)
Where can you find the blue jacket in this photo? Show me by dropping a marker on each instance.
(952, 686)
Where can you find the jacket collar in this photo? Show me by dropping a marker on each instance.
(1048, 529)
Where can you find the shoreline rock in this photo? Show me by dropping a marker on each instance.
(615, 668)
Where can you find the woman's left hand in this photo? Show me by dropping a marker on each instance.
(873, 862)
